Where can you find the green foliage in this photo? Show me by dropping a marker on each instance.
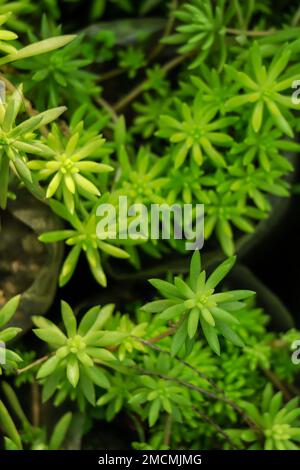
(148, 115)
(202, 29)
(230, 208)
(19, 140)
(49, 76)
(159, 395)
(6, 36)
(41, 47)
(196, 132)
(132, 60)
(265, 148)
(33, 436)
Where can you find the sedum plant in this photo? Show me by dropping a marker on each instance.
(194, 304)
(278, 425)
(265, 148)
(263, 88)
(78, 352)
(149, 112)
(69, 165)
(187, 184)
(36, 438)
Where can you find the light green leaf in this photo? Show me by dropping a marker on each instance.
(68, 319)
(37, 48)
(220, 272)
(73, 371)
(48, 367)
(179, 338)
(60, 432)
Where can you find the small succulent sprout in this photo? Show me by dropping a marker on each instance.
(265, 148)
(8, 358)
(193, 303)
(118, 394)
(80, 352)
(148, 114)
(187, 184)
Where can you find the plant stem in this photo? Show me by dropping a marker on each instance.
(277, 382)
(135, 92)
(239, 32)
(138, 426)
(33, 364)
